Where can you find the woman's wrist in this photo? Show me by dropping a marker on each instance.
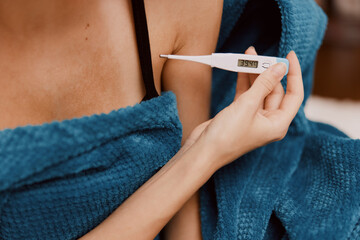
(207, 157)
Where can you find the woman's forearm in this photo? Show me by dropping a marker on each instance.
(146, 212)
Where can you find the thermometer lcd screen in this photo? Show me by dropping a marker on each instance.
(247, 63)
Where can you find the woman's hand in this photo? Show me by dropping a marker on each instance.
(260, 113)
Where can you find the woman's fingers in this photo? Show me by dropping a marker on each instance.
(274, 99)
(252, 77)
(295, 88)
(266, 82)
(242, 85)
(243, 81)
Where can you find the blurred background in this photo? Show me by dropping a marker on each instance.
(336, 91)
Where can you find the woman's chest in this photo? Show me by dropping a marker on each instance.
(93, 68)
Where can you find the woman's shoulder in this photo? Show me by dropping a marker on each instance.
(200, 20)
(188, 22)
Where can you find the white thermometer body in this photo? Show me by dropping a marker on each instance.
(234, 62)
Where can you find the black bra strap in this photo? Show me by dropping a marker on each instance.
(143, 43)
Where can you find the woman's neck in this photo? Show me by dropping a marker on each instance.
(25, 18)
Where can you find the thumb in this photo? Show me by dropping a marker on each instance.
(266, 82)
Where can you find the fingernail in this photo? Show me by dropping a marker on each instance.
(279, 69)
(252, 48)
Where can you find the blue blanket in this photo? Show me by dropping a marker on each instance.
(60, 180)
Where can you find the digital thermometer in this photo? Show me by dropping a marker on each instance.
(234, 62)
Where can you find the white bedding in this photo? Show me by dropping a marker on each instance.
(343, 114)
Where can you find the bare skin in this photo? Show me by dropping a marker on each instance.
(64, 59)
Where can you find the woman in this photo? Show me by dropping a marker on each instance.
(63, 59)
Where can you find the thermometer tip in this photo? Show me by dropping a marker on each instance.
(163, 56)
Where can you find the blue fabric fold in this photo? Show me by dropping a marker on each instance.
(60, 180)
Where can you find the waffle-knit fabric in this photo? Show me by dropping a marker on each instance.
(59, 180)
